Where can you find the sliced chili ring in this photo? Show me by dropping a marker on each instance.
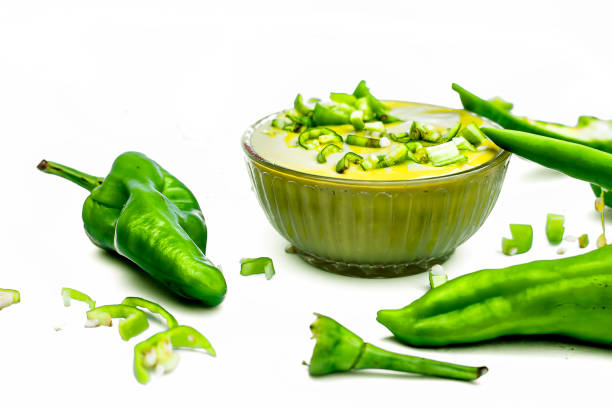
(327, 150)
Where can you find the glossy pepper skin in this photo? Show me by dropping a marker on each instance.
(147, 215)
(570, 296)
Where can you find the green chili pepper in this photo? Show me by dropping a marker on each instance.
(135, 319)
(311, 138)
(68, 293)
(346, 160)
(338, 349)
(589, 131)
(522, 239)
(156, 351)
(381, 111)
(554, 228)
(254, 266)
(501, 104)
(327, 150)
(363, 105)
(9, 297)
(472, 134)
(573, 159)
(569, 296)
(286, 124)
(153, 308)
(145, 214)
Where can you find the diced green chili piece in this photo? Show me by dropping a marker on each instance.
(403, 137)
(135, 319)
(332, 114)
(311, 138)
(344, 98)
(357, 120)
(363, 105)
(375, 126)
(254, 266)
(362, 91)
(445, 154)
(522, 239)
(286, 124)
(583, 241)
(300, 107)
(463, 144)
(388, 118)
(396, 155)
(473, 134)
(338, 349)
(451, 133)
(153, 308)
(363, 141)
(555, 228)
(423, 131)
(370, 162)
(346, 160)
(437, 276)
(156, 351)
(327, 150)
(68, 293)
(9, 297)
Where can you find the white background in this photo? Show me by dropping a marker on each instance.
(82, 81)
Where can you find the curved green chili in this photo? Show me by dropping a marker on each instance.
(153, 308)
(135, 319)
(326, 151)
(311, 138)
(569, 296)
(9, 297)
(575, 160)
(68, 293)
(156, 351)
(346, 160)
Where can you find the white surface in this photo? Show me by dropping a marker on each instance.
(82, 81)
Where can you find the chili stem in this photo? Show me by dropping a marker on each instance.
(84, 180)
(375, 357)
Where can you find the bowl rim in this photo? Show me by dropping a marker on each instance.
(502, 156)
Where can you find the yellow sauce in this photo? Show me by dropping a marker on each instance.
(280, 147)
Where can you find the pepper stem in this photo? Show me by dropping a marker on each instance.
(375, 357)
(82, 179)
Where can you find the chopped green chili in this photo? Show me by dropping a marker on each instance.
(286, 124)
(437, 276)
(445, 154)
(473, 134)
(254, 266)
(135, 319)
(332, 114)
(327, 150)
(338, 349)
(583, 241)
(344, 98)
(402, 137)
(451, 133)
(156, 352)
(522, 239)
(363, 141)
(9, 297)
(375, 127)
(300, 107)
(153, 308)
(68, 293)
(555, 228)
(357, 120)
(346, 160)
(463, 144)
(423, 131)
(311, 138)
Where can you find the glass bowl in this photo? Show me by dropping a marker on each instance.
(372, 228)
